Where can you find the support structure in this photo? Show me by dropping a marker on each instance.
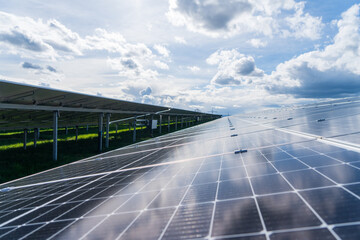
(169, 123)
(152, 130)
(25, 138)
(76, 133)
(100, 132)
(107, 130)
(116, 128)
(87, 127)
(35, 136)
(160, 123)
(176, 122)
(66, 130)
(134, 131)
(55, 134)
(182, 122)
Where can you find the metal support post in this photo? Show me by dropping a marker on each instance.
(182, 122)
(169, 123)
(152, 130)
(35, 136)
(134, 131)
(55, 134)
(176, 123)
(87, 127)
(100, 132)
(107, 129)
(160, 124)
(76, 133)
(66, 130)
(25, 138)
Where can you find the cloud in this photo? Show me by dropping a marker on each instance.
(146, 91)
(114, 42)
(162, 50)
(257, 43)
(128, 63)
(128, 68)
(218, 18)
(314, 83)
(47, 69)
(206, 16)
(161, 65)
(52, 40)
(38, 39)
(180, 40)
(331, 72)
(234, 68)
(17, 37)
(28, 65)
(51, 69)
(328, 73)
(193, 68)
(303, 25)
(45, 84)
(196, 107)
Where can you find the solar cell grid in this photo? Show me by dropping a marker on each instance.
(286, 186)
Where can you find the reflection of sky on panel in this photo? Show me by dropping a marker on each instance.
(284, 187)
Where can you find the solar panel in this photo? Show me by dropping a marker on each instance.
(298, 179)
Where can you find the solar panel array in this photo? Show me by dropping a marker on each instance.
(298, 179)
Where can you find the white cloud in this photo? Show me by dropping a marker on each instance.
(161, 65)
(217, 18)
(257, 43)
(234, 68)
(331, 72)
(303, 25)
(196, 107)
(162, 50)
(180, 40)
(193, 68)
(146, 91)
(51, 40)
(238, 83)
(37, 39)
(128, 68)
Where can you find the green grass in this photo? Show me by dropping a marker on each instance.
(16, 162)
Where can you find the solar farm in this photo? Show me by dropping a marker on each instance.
(289, 173)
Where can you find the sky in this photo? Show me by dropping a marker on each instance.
(215, 56)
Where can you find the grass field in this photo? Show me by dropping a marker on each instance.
(16, 162)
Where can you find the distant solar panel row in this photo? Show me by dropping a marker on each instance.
(191, 185)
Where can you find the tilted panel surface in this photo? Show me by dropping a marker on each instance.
(297, 180)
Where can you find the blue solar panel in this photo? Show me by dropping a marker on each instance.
(298, 179)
